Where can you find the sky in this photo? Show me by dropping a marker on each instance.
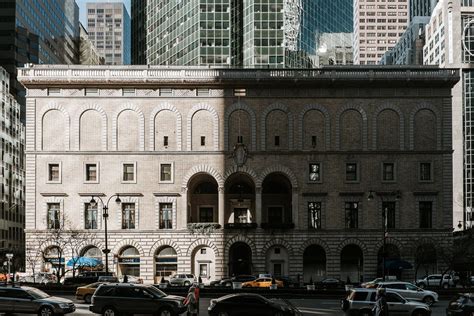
(82, 8)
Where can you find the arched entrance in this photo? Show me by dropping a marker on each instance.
(392, 253)
(276, 201)
(314, 263)
(425, 260)
(277, 261)
(53, 260)
(352, 264)
(204, 263)
(129, 262)
(240, 259)
(166, 263)
(203, 199)
(92, 252)
(240, 200)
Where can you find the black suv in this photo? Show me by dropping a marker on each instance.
(86, 277)
(129, 299)
(29, 300)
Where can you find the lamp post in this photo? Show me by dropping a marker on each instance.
(9, 257)
(105, 215)
(384, 223)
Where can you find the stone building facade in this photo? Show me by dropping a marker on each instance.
(223, 172)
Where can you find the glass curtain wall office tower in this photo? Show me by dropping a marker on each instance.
(236, 33)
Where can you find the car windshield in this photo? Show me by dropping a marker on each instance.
(412, 287)
(38, 294)
(157, 292)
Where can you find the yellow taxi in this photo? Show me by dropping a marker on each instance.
(262, 282)
(85, 292)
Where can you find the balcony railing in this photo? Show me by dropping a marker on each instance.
(277, 225)
(240, 226)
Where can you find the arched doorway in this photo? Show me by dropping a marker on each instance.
(203, 199)
(277, 261)
(239, 200)
(276, 201)
(425, 260)
(53, 260)
(129, 262)
(166, 263)
(352, 264)
(240, 259)
(92, 252)
(204, 263)
(392, 253)
(314, 263)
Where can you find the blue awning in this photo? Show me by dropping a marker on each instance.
(84, 262)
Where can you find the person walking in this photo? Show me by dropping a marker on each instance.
(191, 302)
(381, 306)
(125, 279)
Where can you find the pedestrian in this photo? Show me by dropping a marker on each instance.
(191, 302)
(381, 306)
(196, 295)
(125, 279)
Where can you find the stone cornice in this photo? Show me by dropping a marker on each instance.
(140, 76)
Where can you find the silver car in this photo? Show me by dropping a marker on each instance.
(29, 300)
(182, 279)
(360, 301)
(411, 292)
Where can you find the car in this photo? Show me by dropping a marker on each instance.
(250, 304)
(330, 283)
(411, 291)
(461, 305)
(262, 282)
(108, 278)
(289, 282)
(130, 279)
(182, 279)
(227, 282)
(38, 277)
(84, 293)
(126, 298)
(29, 300)
(360, 301)
(436, 280)
(86, 277)
(371, 284)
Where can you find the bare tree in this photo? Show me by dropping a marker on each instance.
(32, 258)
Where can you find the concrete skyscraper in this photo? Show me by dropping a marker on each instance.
(377, 28)
(233, 33)
(108, 25)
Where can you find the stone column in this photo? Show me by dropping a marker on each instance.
(221, 212)
(295, 207)
(183, 209)
(258, 206)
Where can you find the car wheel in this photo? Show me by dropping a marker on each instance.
(428, 300)
(88, 298)
(109, 311)
(165, 312)
(187, 283)
(45, 311)
(365, 312)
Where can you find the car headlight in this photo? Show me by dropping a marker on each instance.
(63, 305)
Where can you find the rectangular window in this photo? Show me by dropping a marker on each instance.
(314, 172)
(425, 171)
(426, 214)
(54, 172)
(313, 141)
(388, 171)
(352, 172)
(352, 214)
(206, 215)
(314, 213)
(91, 172)
(166, 215)
(241, 215)
(128, 215)
(165, 141)
(277, 269)
(53, 216)
(203, 270)
(166, 172)
(128, 172)
(90, 216)
(203, 140)
(388, 214)
(277, 140)
(275, 215)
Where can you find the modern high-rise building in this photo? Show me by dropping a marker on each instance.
(138, 17)
(108, 25)
(450, 43)
(421, 7)
(40, 32)
(12, 179)
(233, 33)
(377, 28)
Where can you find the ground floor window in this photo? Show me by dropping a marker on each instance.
(166, 261)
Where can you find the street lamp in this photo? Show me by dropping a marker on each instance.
(105, 215)
(9, 257)
(370, 197)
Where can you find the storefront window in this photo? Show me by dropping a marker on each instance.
(129, 262)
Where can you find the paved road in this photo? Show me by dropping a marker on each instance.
(309, 307)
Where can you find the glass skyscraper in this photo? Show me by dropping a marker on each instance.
(236, 33)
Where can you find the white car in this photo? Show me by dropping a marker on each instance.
(411, 291)
(435, 281)
(39, 277)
